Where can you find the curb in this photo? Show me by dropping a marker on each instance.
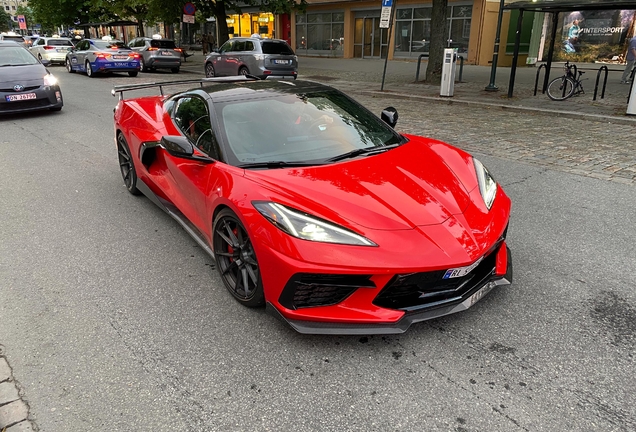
(14, 412)
(567, 114)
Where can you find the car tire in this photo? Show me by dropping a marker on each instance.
(133, 73)
(175, 70)
(209, 71)
(126, 165)
(236, 259)
(142, 65)
(89, 70)
(40, 57)
(243, 71)
(69, 67)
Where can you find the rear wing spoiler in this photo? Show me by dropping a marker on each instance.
(201, 81)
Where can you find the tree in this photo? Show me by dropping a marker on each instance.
(439, 36)
(5, 20)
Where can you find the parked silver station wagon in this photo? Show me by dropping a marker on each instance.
(253, 56)
(157, 53)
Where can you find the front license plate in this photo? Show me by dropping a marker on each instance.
(461, 271)
(281, 61)
(481, 293)
(19, 97)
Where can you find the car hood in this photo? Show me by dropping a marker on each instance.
(22, 74)
(402, 188)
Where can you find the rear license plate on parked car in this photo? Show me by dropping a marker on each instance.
(281, 61)
(166, 53)
(19, 97)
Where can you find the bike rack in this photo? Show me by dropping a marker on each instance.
(573, 66)
(598, 76)
(419, 61)
(536, 81)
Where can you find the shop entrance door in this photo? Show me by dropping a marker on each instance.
(370, 41)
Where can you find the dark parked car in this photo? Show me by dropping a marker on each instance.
(25, 83)
(252, 56)
(157, 53)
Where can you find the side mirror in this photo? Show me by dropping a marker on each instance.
(177, 146)
(45, 62)
(389, 116)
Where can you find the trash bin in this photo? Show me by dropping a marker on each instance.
(447, 87)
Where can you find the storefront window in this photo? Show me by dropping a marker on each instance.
(414, 30)
(245, 25)
(320, 34)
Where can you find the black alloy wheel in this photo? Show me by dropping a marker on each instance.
(209, 70)
(126, 165)
(69, 68)
(236, 260)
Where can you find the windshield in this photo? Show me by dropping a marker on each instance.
(300, 128)
(16, 56)
(110, 45)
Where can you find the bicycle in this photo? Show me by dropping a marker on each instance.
(567, 85)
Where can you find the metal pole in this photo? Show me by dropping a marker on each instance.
(515, 57)
(548, 66)
(388, 43)
(495, 55)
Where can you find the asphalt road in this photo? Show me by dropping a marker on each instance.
(114, 320)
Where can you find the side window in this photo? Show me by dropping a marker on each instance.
(41, 42)
(227, 46)
(134, 43)
(193, 118)
(238, 46)
(249, 46)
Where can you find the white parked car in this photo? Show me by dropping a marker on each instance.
(53, 49)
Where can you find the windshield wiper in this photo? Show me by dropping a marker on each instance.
(361, 151)
(276, 164)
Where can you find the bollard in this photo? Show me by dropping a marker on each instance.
(461, 68)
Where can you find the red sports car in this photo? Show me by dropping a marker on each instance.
(315, 207)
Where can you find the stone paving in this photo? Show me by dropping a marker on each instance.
(14, 412)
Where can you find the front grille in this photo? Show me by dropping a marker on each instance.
(26, 104)
(310, 290)
(12, 90)
(428, 289)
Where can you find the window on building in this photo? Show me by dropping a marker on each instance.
(320, 33)
(413, 30)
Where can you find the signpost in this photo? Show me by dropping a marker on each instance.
(385, 22)
(385, 15)
(22, 22)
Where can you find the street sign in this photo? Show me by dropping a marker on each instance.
(189, 9)
(22, 22)
(385, 15)
(188, 19)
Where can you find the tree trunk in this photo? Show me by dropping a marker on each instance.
(221, 22)
(439, 41)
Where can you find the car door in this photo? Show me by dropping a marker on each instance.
(220, 59)
(190, 178)
(37, 47)
(76, 55)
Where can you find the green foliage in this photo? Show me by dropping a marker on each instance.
(5, 21)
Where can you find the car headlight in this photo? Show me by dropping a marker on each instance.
(487, 184)
(49, 80)
(306, 227)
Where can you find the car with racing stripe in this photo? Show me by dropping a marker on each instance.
(95, 56)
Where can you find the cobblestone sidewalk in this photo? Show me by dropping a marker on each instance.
(14, 412)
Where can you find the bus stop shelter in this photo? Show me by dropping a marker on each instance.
(554, 7)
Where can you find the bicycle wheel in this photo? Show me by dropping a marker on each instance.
(561, 88)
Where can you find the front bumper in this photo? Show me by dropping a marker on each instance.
(401, 325)
(47, 97)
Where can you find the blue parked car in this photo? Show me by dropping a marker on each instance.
(94, 56)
